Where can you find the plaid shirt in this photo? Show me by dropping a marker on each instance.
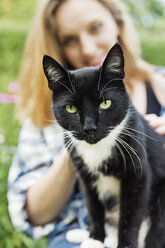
(38, 148)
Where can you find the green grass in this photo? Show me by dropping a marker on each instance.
(15, 18)
(153, 43)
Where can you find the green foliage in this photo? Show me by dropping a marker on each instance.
(17, 11)
(149, 18)
(15, 20)
(12, 42)
(145, 12)
(153, 42)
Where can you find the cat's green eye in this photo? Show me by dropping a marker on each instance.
(105, 104)
(71, 109)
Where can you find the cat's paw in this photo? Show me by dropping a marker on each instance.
(92, 243)
(77, 235)
(110, 242)
(112, 239)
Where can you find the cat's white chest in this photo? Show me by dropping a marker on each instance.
(94, 155)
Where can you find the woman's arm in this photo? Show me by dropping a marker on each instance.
(48, 196)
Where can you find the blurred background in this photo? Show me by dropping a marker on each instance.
(15, 21)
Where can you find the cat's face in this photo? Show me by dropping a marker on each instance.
(89, 102)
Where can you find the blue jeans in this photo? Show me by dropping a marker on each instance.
(60, 241)
(58, 236)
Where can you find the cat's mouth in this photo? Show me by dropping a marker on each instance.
(89, 138)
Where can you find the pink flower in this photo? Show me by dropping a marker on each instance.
(14, 87)
(6, 98)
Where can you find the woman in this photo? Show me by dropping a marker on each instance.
(77, 34)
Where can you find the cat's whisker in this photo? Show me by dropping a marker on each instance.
(133, 150)
(73, 88)
(69, 134)
(69, 147)
(69, 144)
(122, 154)
(99, 81)
(125, 147)
(65, 87)
(140, 133)
(52, 121)
(131, 136)
(67, 137)
(115, 79)
(108, 89)
(136, 141)
(134, 135)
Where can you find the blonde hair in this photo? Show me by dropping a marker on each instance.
(35, 97)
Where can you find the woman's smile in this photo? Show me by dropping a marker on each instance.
(95, 62)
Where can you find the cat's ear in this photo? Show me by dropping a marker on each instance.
(114, 62)
(54, 72)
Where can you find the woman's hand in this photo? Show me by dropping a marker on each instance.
(158, 123)
(48, 196)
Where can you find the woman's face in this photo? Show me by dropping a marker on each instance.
(86, 31)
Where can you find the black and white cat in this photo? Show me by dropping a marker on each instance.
(120, 159)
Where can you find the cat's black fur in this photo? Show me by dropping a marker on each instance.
(136, 152)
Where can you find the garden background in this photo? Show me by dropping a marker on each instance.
(15, 20)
